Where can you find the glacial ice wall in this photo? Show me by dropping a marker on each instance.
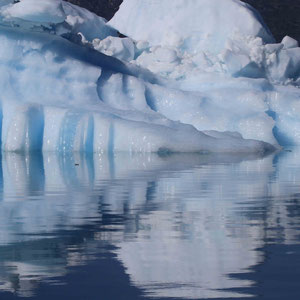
(69, 83)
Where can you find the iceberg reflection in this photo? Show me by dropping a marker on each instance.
(181, 225)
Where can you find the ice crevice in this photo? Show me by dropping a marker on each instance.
(69, 83)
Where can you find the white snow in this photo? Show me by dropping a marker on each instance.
(191, 76)
(59, 17)
(190, 24)
(43, 12)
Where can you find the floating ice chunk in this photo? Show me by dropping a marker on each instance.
(241, 65)
(161, 60)
(289, 42)
(142, 45)
(286, 66)
(123, 49)
(272, 48)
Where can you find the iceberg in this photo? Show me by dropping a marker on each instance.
(185, 79)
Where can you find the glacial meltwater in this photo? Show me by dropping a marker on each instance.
(180, 226)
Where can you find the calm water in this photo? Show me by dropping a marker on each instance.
(150, 227)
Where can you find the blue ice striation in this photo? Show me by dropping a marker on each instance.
(191, 76)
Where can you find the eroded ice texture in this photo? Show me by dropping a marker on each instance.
(69, 83)
(221, 55)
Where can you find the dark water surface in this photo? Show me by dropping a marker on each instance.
(150, 227)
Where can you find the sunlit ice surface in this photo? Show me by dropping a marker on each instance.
(184, 226)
